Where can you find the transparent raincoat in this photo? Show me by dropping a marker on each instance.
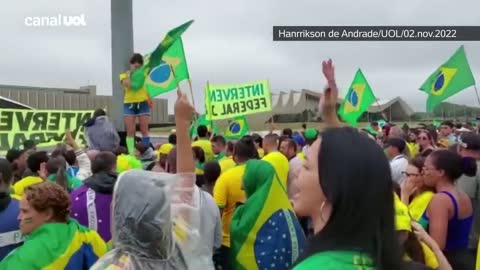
(155, 223)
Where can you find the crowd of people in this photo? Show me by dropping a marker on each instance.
(383, 197)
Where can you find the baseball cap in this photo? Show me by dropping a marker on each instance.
(311, 134)
(299, 140)
(166, 148)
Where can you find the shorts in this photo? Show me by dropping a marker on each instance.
(136, 109)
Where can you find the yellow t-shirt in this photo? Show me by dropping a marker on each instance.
(226, 163)
(20, 186)
(261, 152)
(227, 193)
(206, 146)
(281, 165)
(413, 149)
(132, 96)
(301, 156)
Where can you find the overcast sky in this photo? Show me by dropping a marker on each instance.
(231, 42)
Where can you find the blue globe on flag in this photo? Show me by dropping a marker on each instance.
(160, 73)
(439, 81)
(235, 127)
(353, 97)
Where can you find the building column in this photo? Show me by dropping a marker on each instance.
(122, 50)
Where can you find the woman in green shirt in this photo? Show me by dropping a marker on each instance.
(345, 187)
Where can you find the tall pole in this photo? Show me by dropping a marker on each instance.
(122, 49)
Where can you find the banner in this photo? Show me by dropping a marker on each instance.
(228, 101)
(45, 127)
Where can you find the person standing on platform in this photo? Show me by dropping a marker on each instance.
(137, 104)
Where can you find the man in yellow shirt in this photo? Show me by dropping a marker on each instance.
(204, 143)
(136, 104)
(228, 193)
(223, 152)
(277, 159)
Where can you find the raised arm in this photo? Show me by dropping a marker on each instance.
(328, 101)
(183, 113)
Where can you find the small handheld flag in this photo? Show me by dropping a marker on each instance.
(357, 100)
(237, 128)
(450, 78)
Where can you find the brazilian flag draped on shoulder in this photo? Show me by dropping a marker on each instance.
(237, 128)
(265, 233)
(359, 97)
(69, 246)
(450, 78)
(156, 74)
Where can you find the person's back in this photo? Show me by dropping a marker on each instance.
(10, 236)
(281, 165)
(204, 143)
(210, 227)
(227, 193)
(101, 134)
(91, 202)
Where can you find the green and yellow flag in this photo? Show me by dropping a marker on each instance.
(450, 78)
(237, 128)
(359, 97)
(202, 121)
(155, 61)
(265, 233)
(162, 78)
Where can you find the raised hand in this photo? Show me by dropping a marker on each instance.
(183, 109)
(328, 70)
(328, 101)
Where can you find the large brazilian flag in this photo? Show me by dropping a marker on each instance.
(265, 233)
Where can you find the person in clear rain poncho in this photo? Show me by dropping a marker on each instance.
(154, 222)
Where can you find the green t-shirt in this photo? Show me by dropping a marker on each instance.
(337, 260)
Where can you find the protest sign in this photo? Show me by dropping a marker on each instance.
(228, 101)
(45, 127)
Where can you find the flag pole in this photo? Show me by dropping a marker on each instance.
(476, 92)
(208, 108)
(193, 98)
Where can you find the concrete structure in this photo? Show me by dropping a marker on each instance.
(121, 25)
(302, 106)
(394, 109)
(84, 98)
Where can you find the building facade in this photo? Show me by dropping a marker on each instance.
(84, 98)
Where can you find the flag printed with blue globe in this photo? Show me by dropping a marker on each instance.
(172, 70)
(450, 78)
(165, 66)
(237, 128)
(357, 100)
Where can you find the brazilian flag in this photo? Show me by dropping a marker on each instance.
(450, 78)
(202, 121)
(359, 97)
(162, 77)
(264, 232)
(237, 128)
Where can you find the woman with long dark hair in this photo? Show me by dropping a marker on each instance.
(450, 212)
(351, 207)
